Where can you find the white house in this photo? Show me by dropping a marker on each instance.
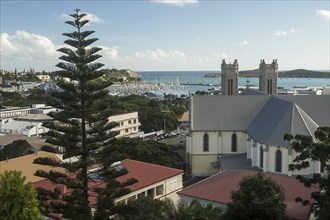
(254, 126)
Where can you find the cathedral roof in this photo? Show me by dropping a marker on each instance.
(265, 118)
(225, 113)
(277, 118)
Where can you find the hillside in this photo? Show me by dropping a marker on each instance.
(121, 74)
(302, 73)
(297, 73)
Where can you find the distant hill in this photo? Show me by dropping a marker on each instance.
(121, 74)
(302, 73)
(297, 73)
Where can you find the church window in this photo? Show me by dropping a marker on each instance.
(206, 142)
(278, 161)
(270, 86)
(261, 161)
(234, 143)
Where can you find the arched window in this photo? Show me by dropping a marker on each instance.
(234, 143)
(278, 161)
(261, 161)
(206, 142)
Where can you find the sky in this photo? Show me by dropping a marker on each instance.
(170, 35)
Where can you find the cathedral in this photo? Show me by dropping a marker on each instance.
(246, 131)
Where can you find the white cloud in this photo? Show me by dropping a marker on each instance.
(92, 18)
(245, 42)
(109, 53)
(224, 55)
(280, 33)
(26, 49)
(324, 14)
(293, 31)
(176, 2)
(160, 55)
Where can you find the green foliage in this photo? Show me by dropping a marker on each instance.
(49, 149)
(153, 209)
(147, 151)
(151, 112)
(13, 99)
(258, 197)
(82, 127)
(16, 149)
(318, 150)
(18, 198)
(195, 210)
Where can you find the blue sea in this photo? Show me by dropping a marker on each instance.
(197, 77)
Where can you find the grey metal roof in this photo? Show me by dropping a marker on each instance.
(253, 92)
(225, 113)
(265, 118)
(277, 118)
(316, 106)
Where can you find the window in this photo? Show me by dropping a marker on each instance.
(129, 121)
(122, 123)
(134, 121)
(278, 161)
(234, 143)
(261, 157)
(159, 190)
(206, 142)
(126, 130)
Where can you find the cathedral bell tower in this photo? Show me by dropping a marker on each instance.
(229, 78)
(268, 74)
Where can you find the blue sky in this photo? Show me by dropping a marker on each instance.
(169, 35)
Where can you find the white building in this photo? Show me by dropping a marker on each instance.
(25, 128)
(252, 125)
(22, 111)
(14, 112)
(128, 124)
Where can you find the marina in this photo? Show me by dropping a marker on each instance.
(185, 82)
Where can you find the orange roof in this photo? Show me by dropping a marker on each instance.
(184, 117)
(27, 167)
(218, 187)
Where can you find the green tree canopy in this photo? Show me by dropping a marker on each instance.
(82, 127)
(16, 149)
(258, 197)
(318, 150)
(147, 151)
(18, 198)
(153, 209)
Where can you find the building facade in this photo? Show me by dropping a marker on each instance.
(253, 126)
(229, 78)
(268, 75)
(128, 124)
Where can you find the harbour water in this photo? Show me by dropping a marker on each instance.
(185, 82)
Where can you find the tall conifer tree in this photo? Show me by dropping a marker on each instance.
(82, 127)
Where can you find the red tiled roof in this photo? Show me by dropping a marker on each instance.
(218, 187)
(146, 173)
